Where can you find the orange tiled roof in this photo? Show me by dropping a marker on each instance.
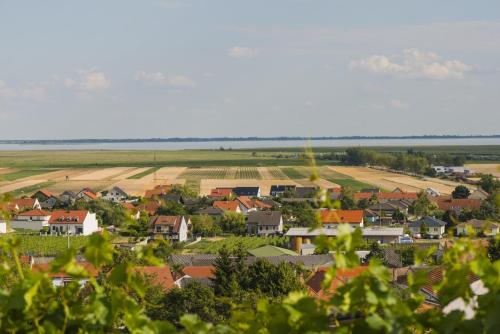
(342, 276)
(199, 271)
(227, 205)
(23, 203)
(341, 216)
(45, 192)
(68, 217)
(457, 203)
(249, 203)
(35, 213)
(221, 192)
(159, 190)
(150, 207)
(161, 276)
(45, 268)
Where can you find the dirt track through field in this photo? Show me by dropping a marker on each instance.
(102, 174)
(390, 181)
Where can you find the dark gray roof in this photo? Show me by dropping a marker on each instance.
(384, 207)
(308, 261)
(281, 188)
(427, 221)
(246, 191)
(264, 217)
(306, 191)
(210, 211)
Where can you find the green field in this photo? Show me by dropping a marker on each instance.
(30, 160)
(47, 245)
(231, 243)
(293, 173)
(20, 174)
(204, 173)
(142, 174)
(248, 173)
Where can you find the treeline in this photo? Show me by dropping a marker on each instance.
(411, 161)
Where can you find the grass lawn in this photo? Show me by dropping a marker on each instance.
(142, 174)
(22, 174)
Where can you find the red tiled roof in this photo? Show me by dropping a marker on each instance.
(150, 207)
(45, 192)
(161, 276)
(23, 203)
(226, 205)
(68, 217)
(341, 278)
(336, 190)
(221, 192)
(45, 268)
(341, 216)
(128, 206)
(90, 194)
(199, 271)
(159, 190)
(457, 203)
(249, 203)
(35, 213)
(397, 195)
(358, 196)
(174, 221)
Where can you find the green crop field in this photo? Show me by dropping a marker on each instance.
(293, 173)
(23, 173)
(231, 243)
(248, 173)
(142, 174)
(47, 245)
(31, 189)
(204, 173)
(277, 173)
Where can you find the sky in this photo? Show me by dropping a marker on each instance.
(212, 68)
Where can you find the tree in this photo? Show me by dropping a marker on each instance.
(225, 281)
(398, 216)
(234, 222)
(205, 226)
(422, 205)
(489, 183)
(107, 212)
(347, 199)
(172, 208)
(376, 252)
(461, 192)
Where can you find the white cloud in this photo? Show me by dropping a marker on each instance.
(94, 81)
(34, 92)
(243, 52)
(161, 79)
(413, 63)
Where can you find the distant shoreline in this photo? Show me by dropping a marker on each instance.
(231, 139)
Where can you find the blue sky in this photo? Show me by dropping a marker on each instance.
(163, 68)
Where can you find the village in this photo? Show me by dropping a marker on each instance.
(287, 220)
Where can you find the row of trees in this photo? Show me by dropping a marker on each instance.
(414, 162)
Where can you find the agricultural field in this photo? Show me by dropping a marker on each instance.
(231, 243)
(248, 173)
(21, 174)
(205, 173)
(293, 173)
(390, 181)
(47, 245)
(493, 169)
(139, 174)
(276, 173)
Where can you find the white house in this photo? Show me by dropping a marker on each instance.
(115, 194)
(73, 222)
(31, 220)
(62, 279)
(483, 227)
(430, 226)
(265, 222)
(173, 228)
(3, 227)
(432, 192)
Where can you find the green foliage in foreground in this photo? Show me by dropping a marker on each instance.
(115, 302)
(37, 245)
(232, 243)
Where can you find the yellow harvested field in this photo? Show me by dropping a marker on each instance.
(493, 169)
(206, 185)
(131, 172)
(96, 185)
(137, 187)
(169, 173)
(390, 181)
(4, 188)
(322, 183)
(264, 172)
(7, 170)
(102, 174)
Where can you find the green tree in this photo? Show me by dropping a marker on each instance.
(422, 205)
(107, 212)
(461, 192)
(347, 198)
(489, 183)
(205, 226)
(172, 208)
(398, 216)
(376, 252)
(234, 222)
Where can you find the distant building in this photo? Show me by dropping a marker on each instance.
(233, 206)
(279, 190)
(219, 193)
(31, 220)
(429, 225)
(247, 191)
(115, 194)
(480, 227)
(332, 218)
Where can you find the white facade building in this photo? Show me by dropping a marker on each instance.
(74, 222)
